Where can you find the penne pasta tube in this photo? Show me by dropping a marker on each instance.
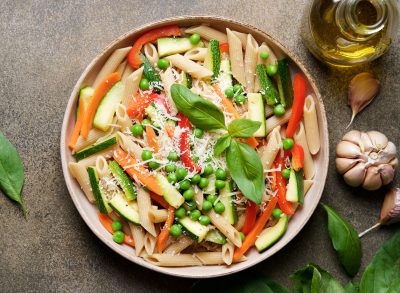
(268, 111)
(93, 136)
(307, 185)
(242, 37)
(300, 138)
(275, 121)
(123, 119)
(138, 237)
(236, 56)
(168, 79)
(197, 54)
(91, 161)
(128, 71)
(207, 33)
(79, 172)
(111, 64)
(144, 204)
(189, 66)
(121, 68)
(311, 125)
(227, 253)
(150, 51)
(199, 197)
(158, 216)
(226, 228)
(131, 86)
(149, 243)
(101, 166)
(250, 62)
(268, 152)
(128, 145)
(179, 245)
(240, 222)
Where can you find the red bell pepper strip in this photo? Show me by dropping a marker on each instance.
(297, 157)
(143, 100)
(224, 48)
(250, 219)
(280, 185)
(299, 95)
(184, 144)
(133, 57)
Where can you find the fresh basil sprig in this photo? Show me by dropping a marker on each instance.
(222, 144)
(345, 241)
(243, 128)
(11, 171)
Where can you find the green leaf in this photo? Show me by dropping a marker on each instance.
(383, 273)
(345, 241)
(243, 128)
(313, 279)
(11, 171)
(222, 144)
(246, 170)
(201, 113)
(351, 288)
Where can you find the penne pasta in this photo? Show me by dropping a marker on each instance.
(311, 125)
(197, 54)
(121, 68)
(149, 243)
(111, 64)
(128, 71)
(307, 185)
(138, 236)
(199, 197)
(93, 136)
(194, 69)
(227, 253)
(226, 228)
(101, 166)
(242, 37)
(79, 172)
(168, 79)
(268, 152)
(123, 119)
(240, 222)
(207, 33)
(275, 121)
(158, 216)
(131, 86)
(144, 204)
(150, 51)
(91, 161)
(128, 145)
(250, 62)
(236, 57)
(179, 245)
(300, 139)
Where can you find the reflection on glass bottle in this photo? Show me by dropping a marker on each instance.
(350, 32)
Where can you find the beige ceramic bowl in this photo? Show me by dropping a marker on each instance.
(89, 212)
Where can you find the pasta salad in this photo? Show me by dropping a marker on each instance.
(195, 145)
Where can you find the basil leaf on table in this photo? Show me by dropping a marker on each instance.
(11, 171)
(383, 273)
(351, 288)
(201, 113)
(313, 279)
(222, 144)
(246, 170)
(345, 241)
(243, 128)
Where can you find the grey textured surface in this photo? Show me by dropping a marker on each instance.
(46, 45)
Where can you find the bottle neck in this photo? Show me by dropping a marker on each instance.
(360, 20)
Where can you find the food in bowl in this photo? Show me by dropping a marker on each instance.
(196, 145)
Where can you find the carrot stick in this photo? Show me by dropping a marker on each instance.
(170, 129)
(106, 221)
(152, 138)
(163, 236)
(159, 199)
(258, 227)
(98, 95)
(75, 134)
(143, 175)
(231, 109)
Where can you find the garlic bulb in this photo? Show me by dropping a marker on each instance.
(366, 159)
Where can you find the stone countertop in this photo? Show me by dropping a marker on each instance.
(47, 44)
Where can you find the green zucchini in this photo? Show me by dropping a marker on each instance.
(151, 74)
(122, 207)
(85, 94)
(169, 46)
(196, 230)
(256, 112)
(97, 147)
(213, 58)
(187, 80)
(285, 83)
(295, 187)
(227, 198)
(225, 75)
(123, 180)
(268, 89)
(101, 199)
(271, 235)
(216, 237)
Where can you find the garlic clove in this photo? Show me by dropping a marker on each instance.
(390, 212)
(366, 143)
(388, 153)
(355, 176)
(387, 173)
(348, 150)
(353, 136)
(372, 179)
(343, 164)
(394, 163)
(363, 89)
(378, 139)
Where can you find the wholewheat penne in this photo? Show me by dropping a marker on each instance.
(197, 54)
(300, 138)
(207, 33)
(311, 125)
(236, 57)
(144, 203)
(138, 236)
(250, 62)
(131, 86)
(150, 51)
(189, 66)
(226, 228)
(275, 121)
(79, 172)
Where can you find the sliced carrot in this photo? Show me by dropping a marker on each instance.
(170, 129)
(143, 175)
(152, 138)
(231, 109)
(75, 134)
(98, 95)
(224, 48)
(106, 221)
(258, 227)
(163, 236)
(159, 199)
(142, 101)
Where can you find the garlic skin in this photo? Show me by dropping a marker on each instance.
(366, 159)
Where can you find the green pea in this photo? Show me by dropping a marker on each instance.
(194, 39)
(277, 213)
(198, 133)
(180, 213)
(154, 165)
(208, 170)
(119, 237)
(137, 129)
(181, 173)
(288, 143)
(208, 159)
(264, 55)
(219, 207)
(190, 205)
(146, 122)
(206, 205)
(279, 110)
(240, 99)
(229, 92)
(172, 178)
(184, 185)
(144, 84)
(272, 69)
(203, 183)
(237, 89)
(147, 155)
(220, 174)
(195, 215)
(242, 236)
(219, 184)
(170, 168)
(116, 225)
(204, 220)
(188, 194)
(212, 198)
(195, 179)
(163, 63)
(286, 173)
(173, 156)
(196, 159)
(175, 230)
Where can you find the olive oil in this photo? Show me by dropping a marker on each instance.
(350, 32)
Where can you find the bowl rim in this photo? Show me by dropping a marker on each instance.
(199, 19)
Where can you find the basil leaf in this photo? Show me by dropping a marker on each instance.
(382, 274)
(351, 288)
(201, 113)
(345, 241)
(243, 128)
(11, 171)
(313, 279)
(222, 144)
(246, 170)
